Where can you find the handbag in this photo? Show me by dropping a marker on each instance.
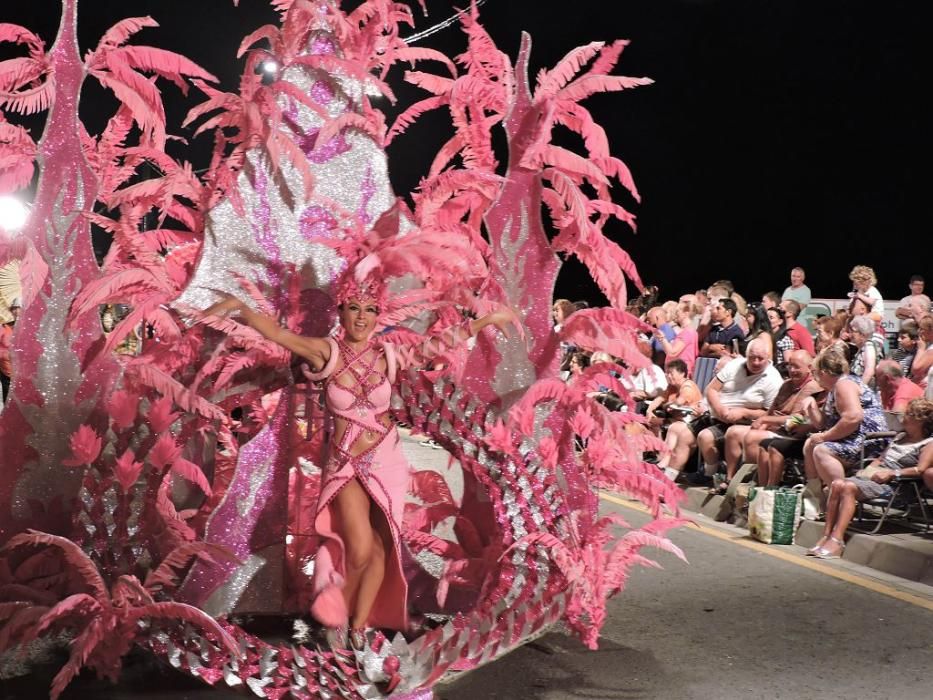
(774, 513)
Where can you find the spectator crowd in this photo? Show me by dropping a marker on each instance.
(764, 382)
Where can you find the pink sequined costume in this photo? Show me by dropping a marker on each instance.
(364, 445)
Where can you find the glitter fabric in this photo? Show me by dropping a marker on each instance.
(351, 187)
(51, 394)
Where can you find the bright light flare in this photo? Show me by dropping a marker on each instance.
(13, 214)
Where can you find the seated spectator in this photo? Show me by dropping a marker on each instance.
(725, 335)
(684, 346)
(923, 361)
(896, 390)
(828, 330)
(907, 341)
(863, 288)
(783, 344)
(910, 454)
(857, 307)
(770, 299)
(605, 395)
(701, 298)
(579, 361)
(745, 440)
(797, 291)
(915, 305)
(851, 411)
(759, 325)
(740, 392)
(797, 332)
(681, 392)
(645, 384)
(657, 319)
(866, 354)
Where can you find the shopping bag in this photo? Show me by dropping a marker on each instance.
(774, 513)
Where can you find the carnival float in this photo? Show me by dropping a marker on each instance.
(159, 500)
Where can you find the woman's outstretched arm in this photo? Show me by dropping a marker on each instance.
(314, 350)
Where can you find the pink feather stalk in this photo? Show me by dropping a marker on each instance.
(521, 548)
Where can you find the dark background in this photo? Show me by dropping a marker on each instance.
(778, 133)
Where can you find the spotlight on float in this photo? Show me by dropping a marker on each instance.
(267, 70)
(13, 214)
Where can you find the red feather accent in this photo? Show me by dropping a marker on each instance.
(74, 557)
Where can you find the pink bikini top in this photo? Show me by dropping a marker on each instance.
(371, 391)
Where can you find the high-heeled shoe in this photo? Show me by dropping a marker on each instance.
(337, 638)
(357, 637)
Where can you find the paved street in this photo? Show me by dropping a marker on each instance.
(737, 622)
(740, 620)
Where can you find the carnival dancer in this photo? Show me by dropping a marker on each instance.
(358, 578)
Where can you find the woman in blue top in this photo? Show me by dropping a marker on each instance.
(852, 411)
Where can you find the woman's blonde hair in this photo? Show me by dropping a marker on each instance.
(922, 410)
(863, 273)
(832, 362)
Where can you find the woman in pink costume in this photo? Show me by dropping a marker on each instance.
(358, 576)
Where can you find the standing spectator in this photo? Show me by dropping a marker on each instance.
(907, 339)
(916, 304)
(657, 319)
(6, 347)
(796, 331)
(684, 346)
(724, 330)
(863, 288)
(783, 343)
(770, 299)
(797, 291)
(896, 390)
(866, 354)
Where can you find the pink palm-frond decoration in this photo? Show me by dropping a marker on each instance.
(17, 157)
(122, 70)
(26, 84)
(104, 623)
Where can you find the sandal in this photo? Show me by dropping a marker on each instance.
(824, 553)
(817, 547)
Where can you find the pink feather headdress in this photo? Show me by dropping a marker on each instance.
(437, 264)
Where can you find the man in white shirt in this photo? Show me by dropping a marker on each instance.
(740, 392)
(797, 291)
(916, 304)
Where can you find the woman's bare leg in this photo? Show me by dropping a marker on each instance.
(353, 504)
(371, 580)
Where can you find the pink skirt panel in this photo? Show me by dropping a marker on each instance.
(384, 474)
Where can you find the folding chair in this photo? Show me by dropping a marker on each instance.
(703, 371)
(906, 496)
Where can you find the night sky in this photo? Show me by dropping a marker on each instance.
(778, 132)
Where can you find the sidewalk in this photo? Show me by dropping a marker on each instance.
(895, 550)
